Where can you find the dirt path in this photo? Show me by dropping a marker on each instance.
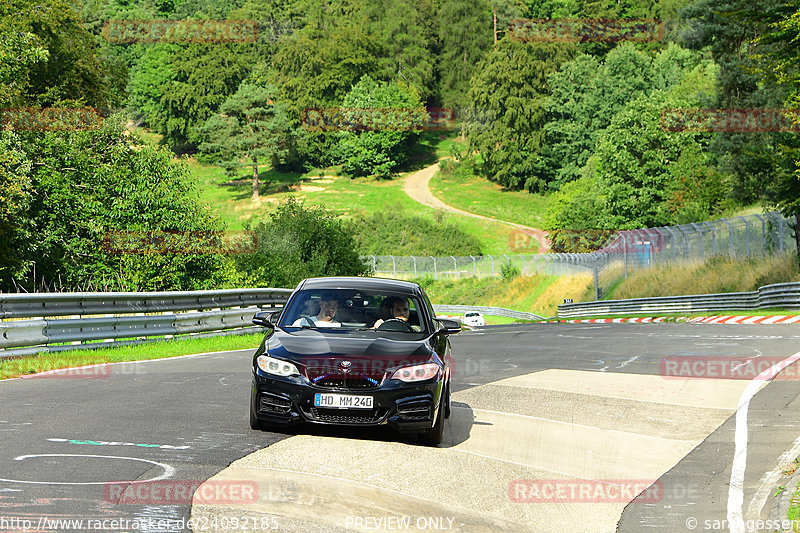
(416, 186)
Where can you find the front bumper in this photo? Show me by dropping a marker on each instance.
(406, 407)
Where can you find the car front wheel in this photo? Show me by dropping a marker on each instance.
(435, 435)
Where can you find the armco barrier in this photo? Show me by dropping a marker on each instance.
(125, 315)
(784, 295)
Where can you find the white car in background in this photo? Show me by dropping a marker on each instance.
(473, 318)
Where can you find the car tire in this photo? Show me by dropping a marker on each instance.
(255, 423)
(448, 403)
(435, 435)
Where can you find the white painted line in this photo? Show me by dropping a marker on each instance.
(168, 470)
(60, 370)
(736, 488)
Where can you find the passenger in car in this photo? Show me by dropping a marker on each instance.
(328, 305)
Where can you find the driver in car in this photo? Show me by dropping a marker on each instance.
(328, 305)
(394, 308)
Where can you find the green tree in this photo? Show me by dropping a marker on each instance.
(406, 36)
(15, 171)
(47, 56)
(380, 151)
(587, 93)
(299, 242)
(250, 127)
(730, 30)
(465, 35)
(205, 75)
(638, 159)
(780, 65)
(511, 85)
(152, 71)
(87, 186)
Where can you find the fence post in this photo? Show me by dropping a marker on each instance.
(700, 236)
(780, 233)
(624, 253)
(435, 273)
(492, 259)
(730, 236)
(455, 266)
(747, 234)
(713, 238)
(394, 266)
(596, 286)
(523, 264)
(414, 258)
(672, 241)
(374, 264)
(474, 268)
(763, 234)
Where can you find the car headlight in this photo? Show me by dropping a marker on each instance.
(270, 365)
(416, 372)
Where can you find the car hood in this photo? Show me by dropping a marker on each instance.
(315, 344)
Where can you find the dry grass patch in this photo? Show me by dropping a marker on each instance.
(717, 275)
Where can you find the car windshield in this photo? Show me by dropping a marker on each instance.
(354, 310)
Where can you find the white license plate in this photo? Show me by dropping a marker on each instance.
(342, 401)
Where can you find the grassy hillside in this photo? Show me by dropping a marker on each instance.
(538, 294)
(464, 190)
(347, 197)
(718, 274)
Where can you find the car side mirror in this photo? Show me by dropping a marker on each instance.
(449, 327)
(264, 318)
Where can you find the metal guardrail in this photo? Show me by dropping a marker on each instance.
(494, 311)
(786, 295)
(96, 303)
(155, 316)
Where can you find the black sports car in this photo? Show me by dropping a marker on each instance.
(354, 351)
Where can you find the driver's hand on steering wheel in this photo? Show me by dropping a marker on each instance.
(381, 321)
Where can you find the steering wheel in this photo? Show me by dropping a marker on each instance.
(395, 324)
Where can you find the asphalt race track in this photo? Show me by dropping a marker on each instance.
(555, 427)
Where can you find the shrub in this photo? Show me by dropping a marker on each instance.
(300, 242)
(397, 233)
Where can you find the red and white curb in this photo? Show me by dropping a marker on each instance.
(772, 319)
(728, 319)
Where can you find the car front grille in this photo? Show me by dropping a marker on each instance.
(331, 375)
(269, 403)
(349, 382)
(341, 416)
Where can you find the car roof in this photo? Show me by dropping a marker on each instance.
(343, 282)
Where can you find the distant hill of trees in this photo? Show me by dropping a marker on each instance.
(580, 120)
